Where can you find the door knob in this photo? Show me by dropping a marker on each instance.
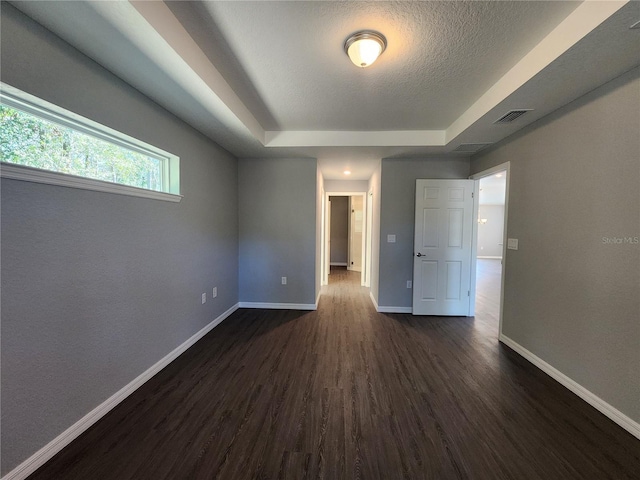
(420, 255)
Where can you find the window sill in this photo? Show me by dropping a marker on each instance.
(28, 174)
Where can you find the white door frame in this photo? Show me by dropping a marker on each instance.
(474, 252)
(324, 238)
(368, 226)
(365, 253)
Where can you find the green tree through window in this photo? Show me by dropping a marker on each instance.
(28, 140)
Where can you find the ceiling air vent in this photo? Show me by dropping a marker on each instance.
(470, 147)
(511, 115)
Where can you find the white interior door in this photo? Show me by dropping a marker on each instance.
(442, 247)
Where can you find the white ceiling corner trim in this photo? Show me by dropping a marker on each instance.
(182, 59)
(404, 138)
(570, 31)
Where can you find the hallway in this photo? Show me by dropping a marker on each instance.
(347, 393)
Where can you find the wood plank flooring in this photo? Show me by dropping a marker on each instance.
(488, 279)
(347, 393)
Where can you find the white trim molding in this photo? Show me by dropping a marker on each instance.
(32, 105)
(338, 264)
(36, 175)
(47, 452)
(279, 306)
(389, 309)
(592, 399)
(506, 166)
(340, 138)
(394, 309)
(489, 257)
(373, 300)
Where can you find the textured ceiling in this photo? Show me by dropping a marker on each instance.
(270, 79)
(441, 56)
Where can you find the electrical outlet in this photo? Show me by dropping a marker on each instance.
(512, 243)
(284, 280)
(409, 284)
(214, 294)
(204, 298)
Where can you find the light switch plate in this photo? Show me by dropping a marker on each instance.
(512, 243)
(391, 239)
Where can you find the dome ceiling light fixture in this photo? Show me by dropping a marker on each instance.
(364, 47)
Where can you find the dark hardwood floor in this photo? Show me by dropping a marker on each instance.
(347, 393)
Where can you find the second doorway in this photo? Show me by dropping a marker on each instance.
(347, 239)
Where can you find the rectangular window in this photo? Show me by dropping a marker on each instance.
(38, 139)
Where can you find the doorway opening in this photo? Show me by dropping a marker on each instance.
(490, 246)
(339, 242)
(346, 231)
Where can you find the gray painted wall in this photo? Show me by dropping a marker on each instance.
(97, 287)
(397, 217)
(490, 234)
(339, 229)
(348, 186)
(570, 298)
(277, 230)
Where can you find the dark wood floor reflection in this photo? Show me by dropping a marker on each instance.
(347, 393)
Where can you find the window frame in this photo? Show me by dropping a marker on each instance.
(170, 164)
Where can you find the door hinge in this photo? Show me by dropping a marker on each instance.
(472, 195)
(468, 293)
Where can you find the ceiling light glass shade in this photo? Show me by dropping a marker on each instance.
(365, 47)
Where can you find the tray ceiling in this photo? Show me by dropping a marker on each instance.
(267, 79)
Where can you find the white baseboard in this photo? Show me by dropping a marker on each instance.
(385, 309)
(338, 264)
(489, 257)
(605, 408)
(392, 309)
(373, 300)
(318, 298)
(39, 458)
(279, 306)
